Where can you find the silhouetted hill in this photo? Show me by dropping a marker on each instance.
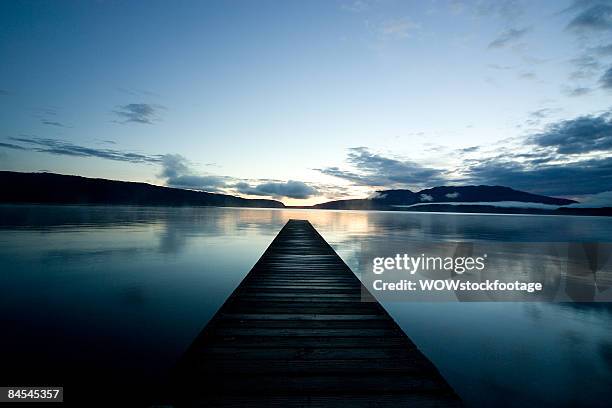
(388, 199)
(50, 188)
(445, 194)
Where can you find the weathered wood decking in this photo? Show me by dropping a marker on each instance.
(296, 333)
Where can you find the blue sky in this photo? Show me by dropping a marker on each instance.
(311, 100)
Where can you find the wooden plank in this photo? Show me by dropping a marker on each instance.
(306, 324)
(296, 332)
(309, 341)
(300, 366)
(274, 332)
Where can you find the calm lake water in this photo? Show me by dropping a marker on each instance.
(124, 290)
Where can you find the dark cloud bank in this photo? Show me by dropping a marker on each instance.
(290, 189)
(570, 157)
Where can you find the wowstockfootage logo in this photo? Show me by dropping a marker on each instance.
(488, 271)
(414, 264)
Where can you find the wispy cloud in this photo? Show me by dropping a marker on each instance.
(577, 91)
(508, 37)
(398, 28)
(506, 10)
(137, 92)
(499, 67)
(602, 50)
(356, 6)
(12, 146)
(64, 148)
(586, 66)
(143, 113)
(606, 79)
(52, 123)
(48, 116)
(529, 75)
(591, 21)
(536, 116)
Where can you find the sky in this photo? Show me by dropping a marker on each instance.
(308, 101)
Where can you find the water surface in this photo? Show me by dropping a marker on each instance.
(124, 290)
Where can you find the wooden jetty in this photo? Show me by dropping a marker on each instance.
(296, 333)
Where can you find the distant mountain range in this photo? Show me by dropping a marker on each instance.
(462, 195)
(49, 188)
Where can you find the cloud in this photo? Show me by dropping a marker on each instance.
(507, 10)
(536, 116)
(379, 171)
(51, 123)
(194, 182)
(508, 37)
(289, 189)
(540, 113)
(603, 199)
(597, 17)
(47, 115)
(606, 79)
(527, 75)
(586, 67)
(567, 158)
(587, 176)
(179, 173)
(138, 113)
(577, 91)
(499, 67)
(399, 28)
(586, 61)
(452, 195)
(137, 92)
(176, 170)
(64, 148)
(356, 6)
(603, 50)
(579, 135)
(426, 197)
(12, 146)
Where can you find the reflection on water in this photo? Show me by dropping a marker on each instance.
(124, 290)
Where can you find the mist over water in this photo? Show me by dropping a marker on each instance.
(124, 290)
